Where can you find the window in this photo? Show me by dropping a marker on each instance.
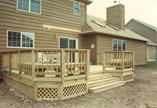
(29, 5)
(119, 45)
(20, 39)
(76, 7)
(70, 43)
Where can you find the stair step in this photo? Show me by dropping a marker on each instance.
(100, 76)
(105, 87)
(127, 73)
(102, 81)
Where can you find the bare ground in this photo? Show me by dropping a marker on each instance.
(141, 93)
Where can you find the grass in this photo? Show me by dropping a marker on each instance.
(152, 63)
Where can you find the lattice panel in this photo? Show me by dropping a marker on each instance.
(73, 90)
(27, 90)
(47, 93)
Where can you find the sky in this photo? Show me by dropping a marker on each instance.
(143, 10)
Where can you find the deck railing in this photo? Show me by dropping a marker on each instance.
(53, 62)
(116, 59)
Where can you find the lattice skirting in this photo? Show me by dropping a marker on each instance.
(27, 90)
(47, 93)
(74, 90)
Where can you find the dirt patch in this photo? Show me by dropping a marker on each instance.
(141, 93)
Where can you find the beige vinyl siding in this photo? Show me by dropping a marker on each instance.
(151, 53)
(142, 30)
(0, 64)
(105, 43)
(53, 12)
(89, 40)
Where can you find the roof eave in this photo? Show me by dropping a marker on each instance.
(87, 1)
(96, 32)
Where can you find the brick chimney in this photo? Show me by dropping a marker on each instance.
(115, 16)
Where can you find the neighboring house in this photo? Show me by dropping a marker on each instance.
(111, 35)
(147, 31)
(64, 24)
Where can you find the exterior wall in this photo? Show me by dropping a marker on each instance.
(0, 64)
(140, 48)
(142, 30)
(116, 16)
(151, 53)
(91, 39)
(58, 13)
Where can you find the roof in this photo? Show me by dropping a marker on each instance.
(87, 1)
(108, 29)
(145, 24)
(151, 43)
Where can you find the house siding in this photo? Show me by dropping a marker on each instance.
(151, 53)
(53, 12)
(0, 64)
(89, 40)
(142, 30)
(140, 48)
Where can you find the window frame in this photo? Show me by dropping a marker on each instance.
(29, 7)
(20, 40)
(75, 8)
(121, 44)
(69, 38)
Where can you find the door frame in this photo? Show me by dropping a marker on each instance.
(68, 44)
(69, 38)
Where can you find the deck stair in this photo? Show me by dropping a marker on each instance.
(101, 82)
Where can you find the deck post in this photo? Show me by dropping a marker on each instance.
(35, 92)
(2, 61)
(103, 58)
(33, 65)
(9, 63)
(62, 62)
(122, 66)
(87, 69)
(19, 63)
(133, 60)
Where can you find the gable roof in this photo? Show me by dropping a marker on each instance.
(143, 23)
(98, 25)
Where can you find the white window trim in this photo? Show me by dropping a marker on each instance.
(68, 41)
(29, 8)
(20, 40)
(74, 8)
(121, 44)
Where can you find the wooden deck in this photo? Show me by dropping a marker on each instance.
(40, 78)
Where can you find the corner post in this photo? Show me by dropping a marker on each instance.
(133, 58)
(103, 58)
(9, 63)
(33, 66)
(19, 66)
(62, 62)
(122, 66)
(2, 60)
(87, 69)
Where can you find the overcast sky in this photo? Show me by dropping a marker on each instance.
(143, 10)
